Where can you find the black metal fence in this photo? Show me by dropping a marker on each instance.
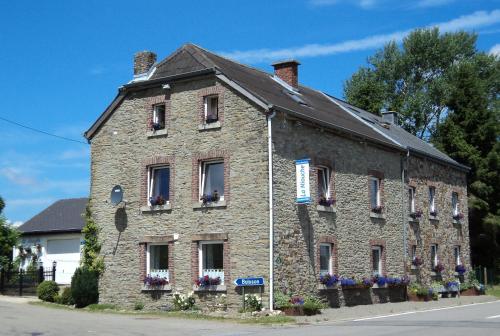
(21, 282)
(486, 276)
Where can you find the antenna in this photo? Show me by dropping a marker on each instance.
(116, 195)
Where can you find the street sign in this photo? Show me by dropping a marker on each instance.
(241, 282)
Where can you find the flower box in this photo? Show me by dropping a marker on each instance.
(210, 288)
(323, 208)
(146, 288)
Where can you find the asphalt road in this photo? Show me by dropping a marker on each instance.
(481, 319)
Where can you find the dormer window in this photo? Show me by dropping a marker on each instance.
(211, 106)
(158, 122)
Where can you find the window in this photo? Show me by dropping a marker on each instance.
(158, 117)
(432, 199)
(157, 263)
(159, 185)
(211, 106)
(325, 259)
(377, 260)
(454, 203)
(212, 178)
(456, 254)
(374, 192)
(413, 252)
(324, 182)
(211, 259)
(434, 255)
(411, 199)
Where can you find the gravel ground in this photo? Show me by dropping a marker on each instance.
(350, 313)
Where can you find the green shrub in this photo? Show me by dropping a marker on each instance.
(313, 305)
(65, 298)
(138, 305)
(84, 287)
(47, 291)
(253, 302)
(103, 306)
(184, 302)
(282, 300)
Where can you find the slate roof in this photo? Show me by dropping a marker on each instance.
(62, 216)
(304, 103)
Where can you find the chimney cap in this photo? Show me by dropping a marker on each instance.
(390, 117)
(285, 62)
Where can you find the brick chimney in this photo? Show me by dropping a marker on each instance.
(288, 71)
(143, 61)
(390, 117)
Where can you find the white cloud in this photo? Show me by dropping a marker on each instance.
(432, 3)
(15, 223)
(495, 50)
(71, 154)
(27, 202)
(17, 176)
(365, 4)
(474, 20)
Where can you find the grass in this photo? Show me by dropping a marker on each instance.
(494, 291)
(194, 315)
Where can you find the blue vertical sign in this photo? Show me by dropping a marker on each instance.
(302, 176)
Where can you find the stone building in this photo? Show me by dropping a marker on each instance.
(206, 151)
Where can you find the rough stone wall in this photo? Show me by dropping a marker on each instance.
(300, 228)
(119, 150)
(421, 174)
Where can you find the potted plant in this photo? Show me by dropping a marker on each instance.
(381, 281)
(367, 282)
(155, 282)
(439, 268)
(378, 209)
(397, 282)
(417, 262)
(206, 199)
(460, 269)
(416, 214)
(329, 280)
(451, 286)
(326, 202)
(206, 281)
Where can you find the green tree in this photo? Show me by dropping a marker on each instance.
(92, 247)
(446, 92)
(470, 134)
(411, 79)
(9, 237)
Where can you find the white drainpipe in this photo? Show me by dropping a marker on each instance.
(271, 212)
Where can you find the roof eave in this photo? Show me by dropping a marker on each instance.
(61, 231)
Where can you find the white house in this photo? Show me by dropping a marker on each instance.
(54, 235)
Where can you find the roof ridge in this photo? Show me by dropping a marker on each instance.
(169, 57)
(194, 52)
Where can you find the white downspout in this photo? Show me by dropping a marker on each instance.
(405, 206)
(271, 212)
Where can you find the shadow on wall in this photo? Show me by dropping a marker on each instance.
(307, 232)
(121, 221)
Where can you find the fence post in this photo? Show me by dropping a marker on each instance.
(2, 277)
(54, 271)
(41, 276)
(485, 277)
(21, 282)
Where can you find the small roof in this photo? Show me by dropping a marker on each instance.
(62, 216)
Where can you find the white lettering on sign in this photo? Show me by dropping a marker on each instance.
(302, 176)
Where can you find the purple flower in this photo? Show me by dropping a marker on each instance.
(460, 269)
(417, 261)
(155, 281)
(328, 280)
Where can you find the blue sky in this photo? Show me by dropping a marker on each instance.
(62, 62)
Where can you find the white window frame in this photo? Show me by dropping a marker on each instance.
(373, 178)
(412, 191)
(151, 169)
(432, 199)
(413, 252)
(454, 203)
(326, 179)
(206, 104)
(202, 174)
(435, 260)
(456, 255)
(330, 259)
(200, 256)
(155, 114)
(148, 258)
(377, 248)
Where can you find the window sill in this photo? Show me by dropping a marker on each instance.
(214, 125)
(155, 208)
(158, 133)
(200, 205)
(323, 208)
(413, 220)
(213, 288)
(434, 218)
(456, 222)
(377, 215)
(159, 288)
